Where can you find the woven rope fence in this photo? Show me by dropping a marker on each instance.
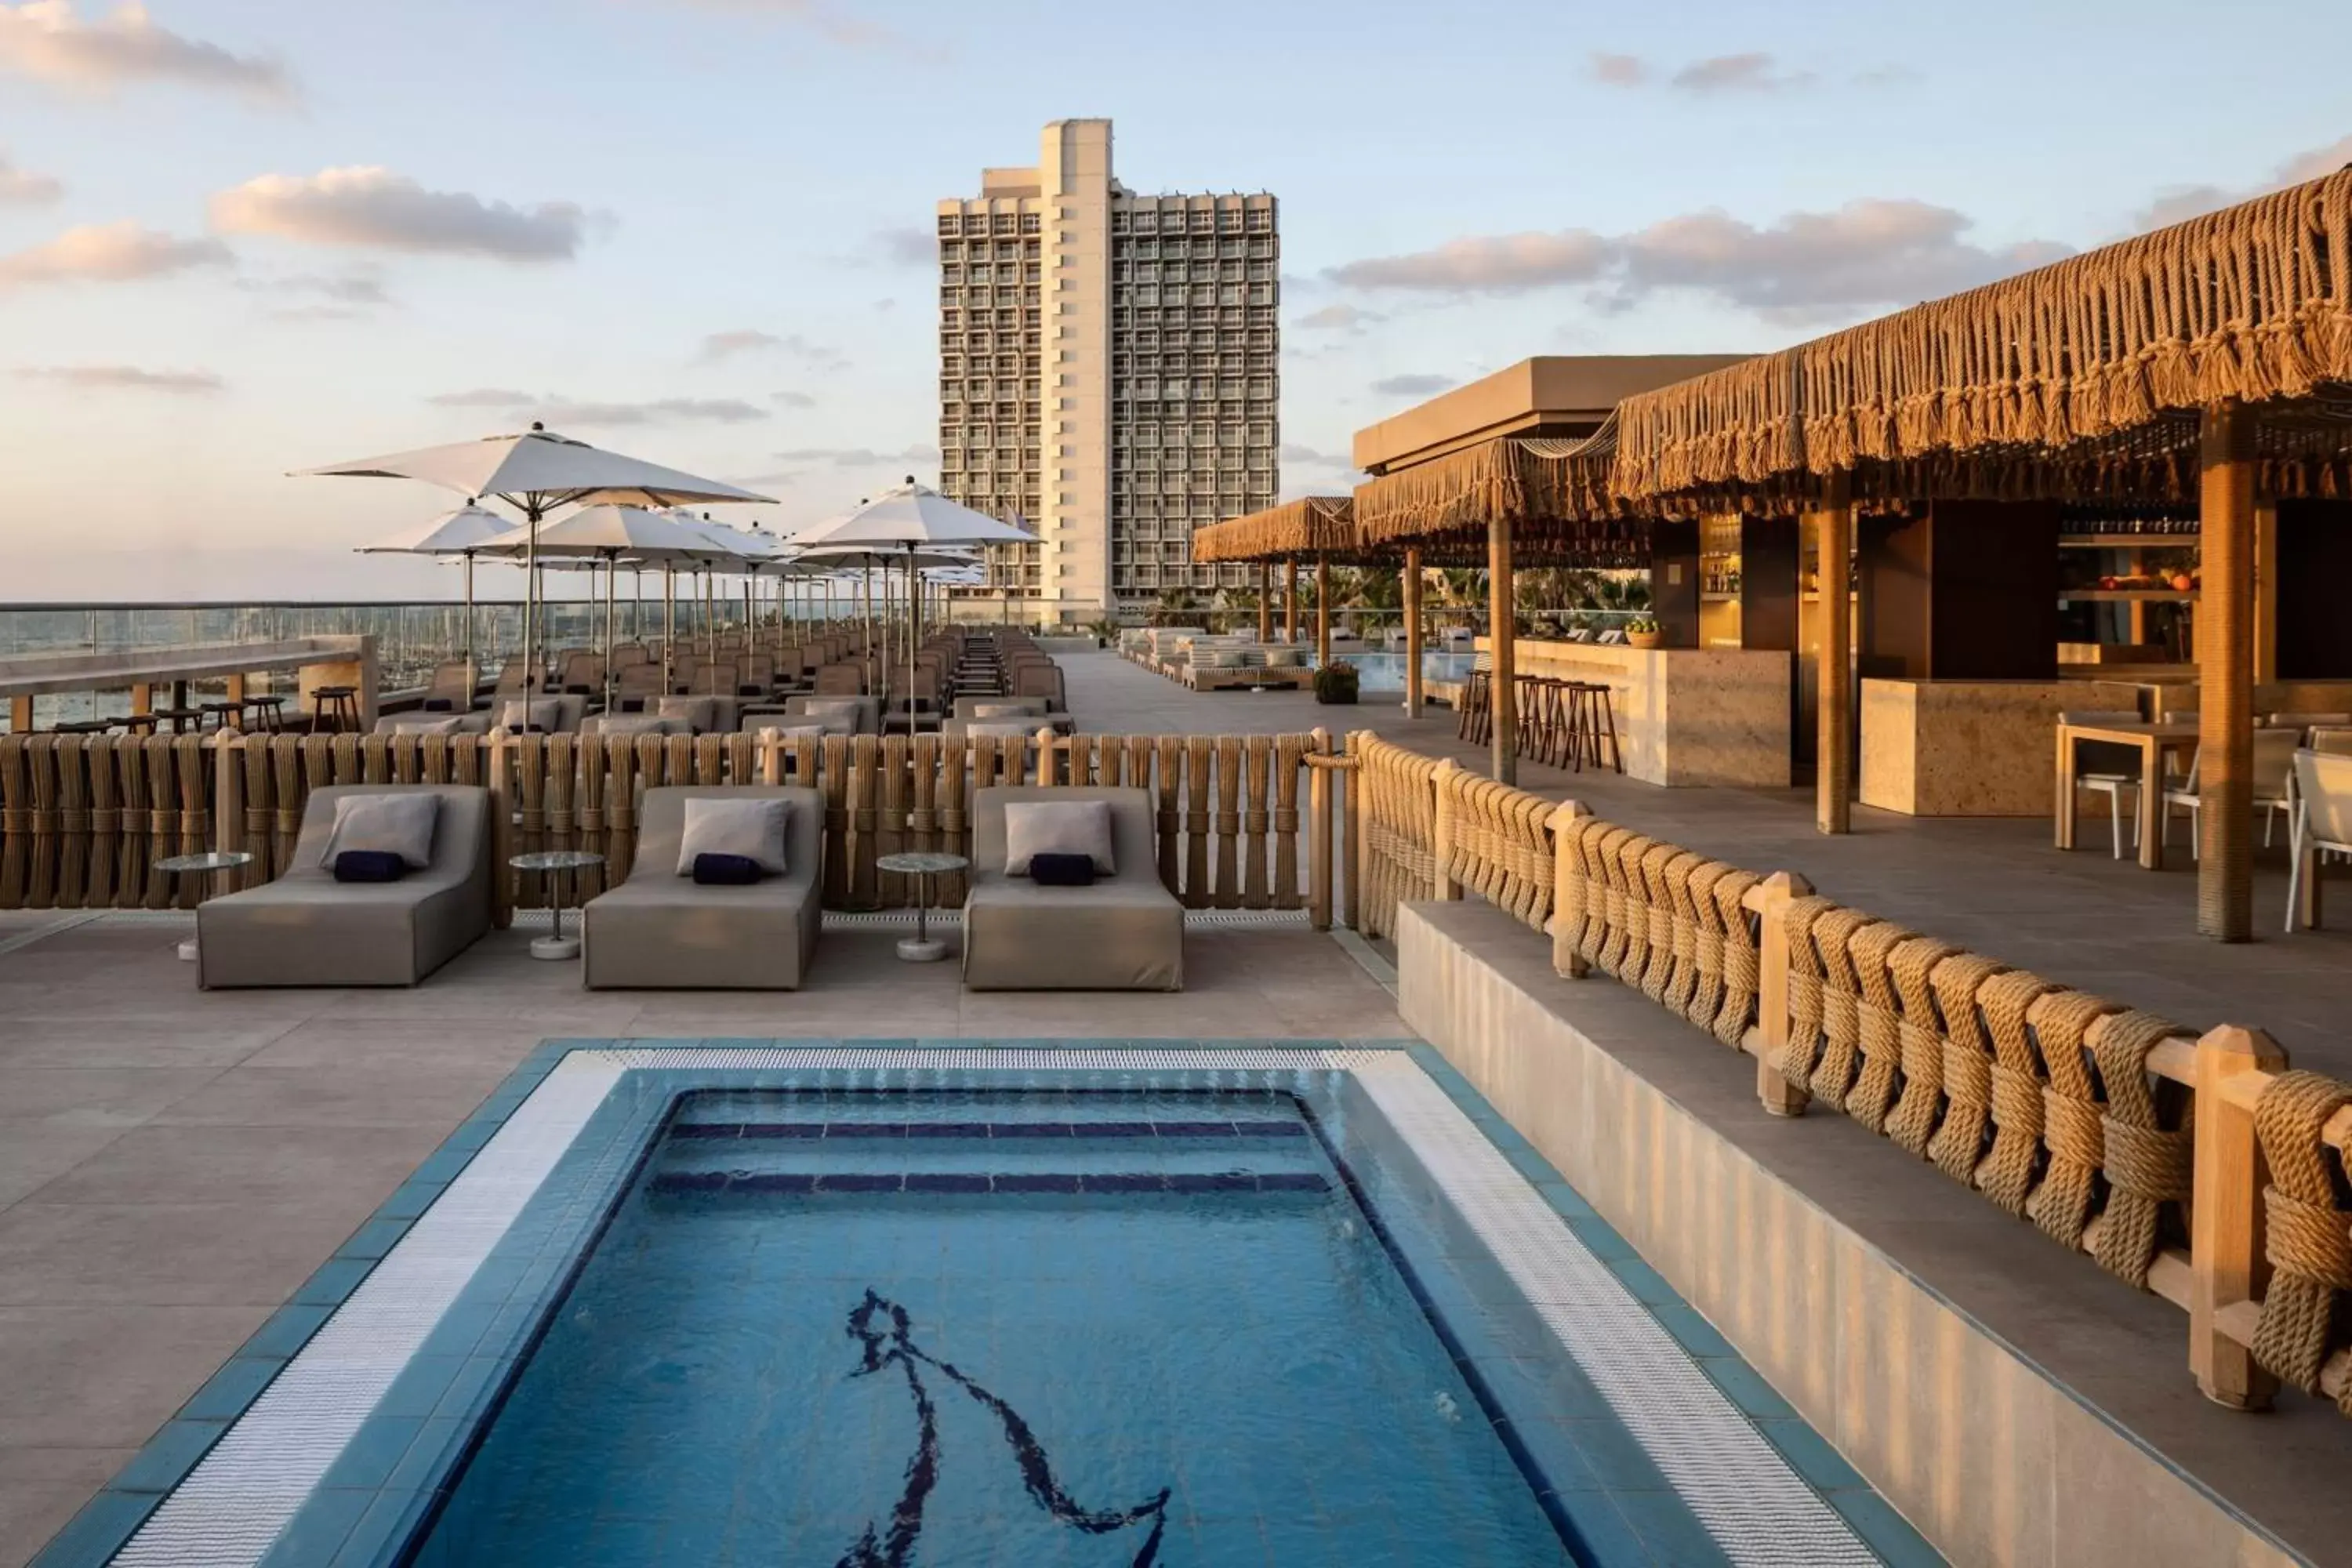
(1663, 920)
(1397, 793)
(82, 819)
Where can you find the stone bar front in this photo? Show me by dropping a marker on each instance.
(1685, 715)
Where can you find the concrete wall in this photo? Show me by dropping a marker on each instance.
(1760, 1224)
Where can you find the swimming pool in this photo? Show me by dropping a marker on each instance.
(1377, 671)
(1197, 1304)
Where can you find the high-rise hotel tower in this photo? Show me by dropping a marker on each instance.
(1108, 371)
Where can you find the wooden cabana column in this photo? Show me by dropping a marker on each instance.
(1833, 772)
(1503, 698)
(1322, 611)
(1290, 600)
(2225, 672)
(1412, 596)
(1266, 601)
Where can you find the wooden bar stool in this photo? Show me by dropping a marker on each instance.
(268, 714)
(1595, 726)
(1475, 724)
(139, 723)
(181, 718)
(338, 709)
(229, 715)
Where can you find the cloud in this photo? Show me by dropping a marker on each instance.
(726, 345)
(1888, 76)
(377, 208)
(1802, 267)
(793, 399)
(20, 187)
(1340, 318)
(861, 457)
(2178, 203)
(1750, 72)
(44, 39)
(321, 296)
(776, 480)
(111, 253)
(125, 377)
(742, 340)
(1812, 266)
(559, 412)
(1412, 385)
(1501, 264)
(1617, 71)
(908, 247)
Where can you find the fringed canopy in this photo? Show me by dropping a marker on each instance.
(2070, 375)
(1555, 494)
(1313, 526)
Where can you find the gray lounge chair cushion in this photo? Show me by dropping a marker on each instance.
(398, 825)
(307, 929)
(536, 713)
(1006, 710)
(753, 830)
(1004, 730)
(661, 930)
(1034, 828)
(422, 724)
(1124, 934)
(701, 713)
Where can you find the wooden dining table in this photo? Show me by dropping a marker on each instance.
(2153, 742)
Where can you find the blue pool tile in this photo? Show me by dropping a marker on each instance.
(1810, 1454)
(947, 1182)
(1669, 1532)
(470, 1385)
(1887, 1532)
(225, 1394)
(1691, 1331)
(471, 1135)
(430, 1454)
(1128, 1181)
(320, 1529)
(1041, 1182)
(389, 1520)
(289, 1330)
(1746, 1388)
(333, 1280)
(373, 1240)
(1601, 1240)
(773, 1181)
(1611, 1453)
(368, 1459)
(168, 1456)
(93, 1535)
(411, 1200)
(443, 1166)
(1565, 1200)
(949, 1129)
(1648, 1285)
(420, 1388)
(860, 1181)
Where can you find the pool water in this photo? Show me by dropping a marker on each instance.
(1385, 671)
(1000, 1327)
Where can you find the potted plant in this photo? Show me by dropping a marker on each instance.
(1644, 631)
(1335, 682)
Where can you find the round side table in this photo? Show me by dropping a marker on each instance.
(557, 946)
(210, 863)
(926, 868)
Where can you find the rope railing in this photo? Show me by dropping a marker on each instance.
(2198, 1168)
(83, 818)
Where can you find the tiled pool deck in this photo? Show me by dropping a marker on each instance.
(372, 1493)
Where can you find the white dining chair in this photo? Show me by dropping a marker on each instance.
(2274, 752)
(2331, 740)
(2112, 770)
(2319, 817)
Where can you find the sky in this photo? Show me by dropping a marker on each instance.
(243, 237)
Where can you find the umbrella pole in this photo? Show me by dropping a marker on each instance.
(472, 675)
(866, 592)
(669, 624)
(531, 512)
(611, 571)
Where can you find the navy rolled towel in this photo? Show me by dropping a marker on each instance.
(370, 866)
(1062, 870)
(726, 870)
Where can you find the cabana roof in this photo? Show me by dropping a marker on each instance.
(2071, 379)
(1556, 494)
(1311, 526)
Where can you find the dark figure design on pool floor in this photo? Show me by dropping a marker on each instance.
(880, 1326)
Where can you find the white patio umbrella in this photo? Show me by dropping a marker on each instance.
(906, 519)
(463, 533)
(612, 535)
(536, 471)
(906, 556)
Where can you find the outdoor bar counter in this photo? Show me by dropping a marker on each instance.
(1685, 715)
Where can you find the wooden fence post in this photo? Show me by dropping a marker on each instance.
(1353, 847)
(1567, 889)
(1445, 780)
(228, 797)
(1318, 836)
(501, 831)
(2226, 1260)
(1769, 900)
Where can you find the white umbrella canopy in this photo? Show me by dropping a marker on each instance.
(913, 514)
(611, 532)
(536, 470)
(466, 532)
